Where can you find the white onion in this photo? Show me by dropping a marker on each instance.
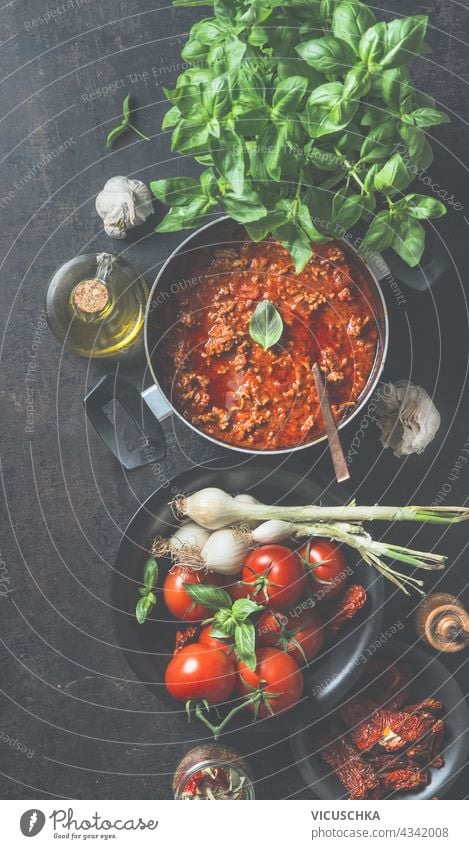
(210, 507)
(275, 530)
(189, 534)
(224, 552)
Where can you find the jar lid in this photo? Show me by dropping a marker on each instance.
(90, 297)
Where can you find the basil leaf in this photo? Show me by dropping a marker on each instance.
(114, 134)
(404, 38)
(426, 117)
(379, 142)
(244, 207)
(422, 206)
(409, 241)
(372, 44)
(288, 95)
(350, 20)
(243, 607)
(295, 240)
(208, 596)
(272, 140)
(319, 201)
(194, 51)
(171, 118)
(346, 211)
(393, 176)
(294, 67)
(419, 149)
(303, 217)
(380, 234)
(266, 325)
(175, 191)
(126, 109)
(215, 96)
(150, 573)
(396, 89)
(245, 644)
(207, 30)
(328, 55)
(357, 82)
(186, 217)
(228, 156)
(143, 608)
(327, 111)
(190, 137)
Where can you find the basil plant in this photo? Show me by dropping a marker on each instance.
(304, 118)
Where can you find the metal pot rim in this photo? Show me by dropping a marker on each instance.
(260, 451)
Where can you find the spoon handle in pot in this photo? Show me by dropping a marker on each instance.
(340, 466)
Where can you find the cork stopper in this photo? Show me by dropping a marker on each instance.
(443, 622)
(90, 297)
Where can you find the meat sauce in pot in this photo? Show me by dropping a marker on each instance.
(227, 385)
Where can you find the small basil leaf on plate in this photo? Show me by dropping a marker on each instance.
(245, 641)
(150, 573)
(143, 607)
(209, 596)
(266, 325)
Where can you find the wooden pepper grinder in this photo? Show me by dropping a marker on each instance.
(443, 622)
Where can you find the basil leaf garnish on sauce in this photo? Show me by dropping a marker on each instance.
(266, 325)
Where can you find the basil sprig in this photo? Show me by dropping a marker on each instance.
(266, 325)
(124, 125)
(147, 598)
(306, 121)
(230, 619)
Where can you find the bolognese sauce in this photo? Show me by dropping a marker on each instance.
(233, 390)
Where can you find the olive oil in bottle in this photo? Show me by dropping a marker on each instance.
(95, 305)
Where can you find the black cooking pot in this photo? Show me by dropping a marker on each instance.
(155, 403)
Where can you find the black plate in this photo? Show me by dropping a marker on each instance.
(149, 647)
(431, 679)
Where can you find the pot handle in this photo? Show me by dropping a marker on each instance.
(144, 416)
(436, 261)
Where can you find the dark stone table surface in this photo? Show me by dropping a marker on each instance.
(74, 721)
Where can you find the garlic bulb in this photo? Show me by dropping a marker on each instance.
(407, 418)
(122, 204)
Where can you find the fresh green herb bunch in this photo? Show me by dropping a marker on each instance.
(305, 116)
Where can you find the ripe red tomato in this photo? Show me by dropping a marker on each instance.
(301, 636)
(277, 574)
(199, 671)
(215, 642)
(328, 564)
(176, 598)
(279, 674)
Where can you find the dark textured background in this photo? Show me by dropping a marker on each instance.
(66, 691)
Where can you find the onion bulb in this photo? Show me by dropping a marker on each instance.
(273, 531)
(224, 552)
(184, 546)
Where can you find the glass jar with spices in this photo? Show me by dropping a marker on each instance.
(214, 772)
